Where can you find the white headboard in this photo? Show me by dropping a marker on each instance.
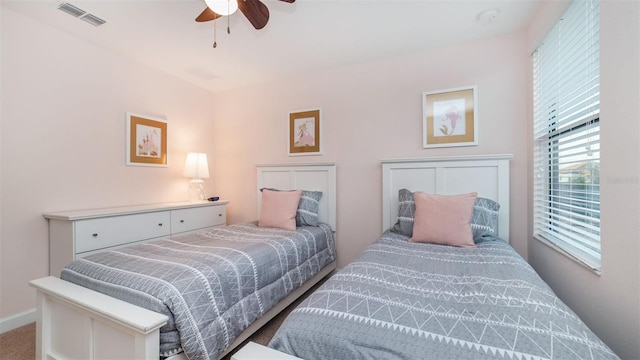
(310, 176)
(488, 175)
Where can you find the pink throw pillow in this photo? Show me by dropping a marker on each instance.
(443, 219)
(279, 209)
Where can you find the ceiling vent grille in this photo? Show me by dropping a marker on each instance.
(81, 14)
(71, 10)
(93, 20)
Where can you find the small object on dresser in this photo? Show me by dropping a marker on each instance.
(215, 198)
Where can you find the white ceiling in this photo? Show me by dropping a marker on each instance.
(304, 36)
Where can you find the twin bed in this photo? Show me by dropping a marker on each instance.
(399, 299)
(193, 296)
(416, 299)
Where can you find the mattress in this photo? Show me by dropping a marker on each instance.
(405, 300)
(211, 284)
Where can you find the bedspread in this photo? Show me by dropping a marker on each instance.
(211, 284)
(404, 300)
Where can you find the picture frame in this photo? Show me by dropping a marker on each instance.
(146, 141)
(305, 133)
(450, 117)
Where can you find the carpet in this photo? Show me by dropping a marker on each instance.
(19, 344)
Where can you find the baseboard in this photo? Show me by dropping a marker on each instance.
(17, 320)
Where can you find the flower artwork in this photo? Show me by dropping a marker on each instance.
(146, 143)
(450, 118)
(304, 133)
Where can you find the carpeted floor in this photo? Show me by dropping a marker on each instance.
(20, 343)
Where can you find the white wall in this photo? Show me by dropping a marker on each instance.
(370, 112)
(609, 304)
(63, 140)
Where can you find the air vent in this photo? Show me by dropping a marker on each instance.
(71, 10)
(81, 14)
(93, 20)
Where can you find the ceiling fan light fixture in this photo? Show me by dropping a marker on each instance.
(222, 7)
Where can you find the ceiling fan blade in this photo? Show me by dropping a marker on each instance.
(289, 1)
(207, 15)
(255, 11)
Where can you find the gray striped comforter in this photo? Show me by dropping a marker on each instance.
(211, 284)
(402, 300)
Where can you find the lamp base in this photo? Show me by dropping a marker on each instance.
(196, 190)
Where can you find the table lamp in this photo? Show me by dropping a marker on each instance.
(197, 168)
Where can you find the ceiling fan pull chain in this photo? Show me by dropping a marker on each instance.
(215, 42)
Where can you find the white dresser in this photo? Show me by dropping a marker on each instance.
(79, 233)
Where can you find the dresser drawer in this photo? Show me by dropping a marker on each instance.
(78, 233)
(184, 220)
(94, 234)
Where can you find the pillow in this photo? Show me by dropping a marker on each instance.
(307, 213)
(279, 209)
(308, 207)
(485, 217)
(443, 219)
(406, 209)
(484, 220)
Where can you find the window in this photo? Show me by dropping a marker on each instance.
(566, 91)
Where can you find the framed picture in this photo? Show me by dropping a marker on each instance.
(146, 141)
(305, 133)
(450, 117)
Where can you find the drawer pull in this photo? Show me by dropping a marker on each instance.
(94, 234)
(219, 214)
(181, 221)
(159, 224)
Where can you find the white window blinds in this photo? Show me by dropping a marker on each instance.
(566, 81)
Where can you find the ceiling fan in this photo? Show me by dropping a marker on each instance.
(254, 10)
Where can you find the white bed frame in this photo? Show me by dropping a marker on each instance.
(488, 175)
(315, 176)
(74, 322)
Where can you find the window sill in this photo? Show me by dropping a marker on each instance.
(595, 268)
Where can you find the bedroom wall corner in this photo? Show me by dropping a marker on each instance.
(62, 143)
(609, 304)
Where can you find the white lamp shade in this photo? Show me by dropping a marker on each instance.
(222, 7)
(196, 166)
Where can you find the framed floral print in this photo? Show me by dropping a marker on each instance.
(305, 133)
(450, 117)
(146, 141)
